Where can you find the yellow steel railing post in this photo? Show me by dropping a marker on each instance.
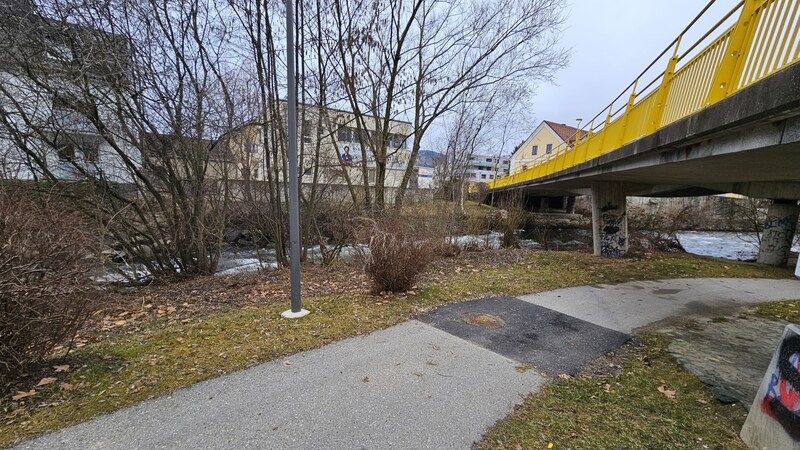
(626, 115)
(604, 131)
(654, 121)
(726, 77)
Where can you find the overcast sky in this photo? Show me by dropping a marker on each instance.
(611, 42)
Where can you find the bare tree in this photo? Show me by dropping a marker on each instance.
(478, 125)
(130, 100)
(422, 59)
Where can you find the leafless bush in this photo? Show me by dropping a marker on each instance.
(44, 295)
(656, 230)
(399, 250)
(332, 227)
(512, 221)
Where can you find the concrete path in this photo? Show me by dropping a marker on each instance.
(628, 306)
(438, 384)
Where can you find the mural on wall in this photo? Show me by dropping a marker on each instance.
(778, 234)
(352, 156)
(782, 400)
(613, 239)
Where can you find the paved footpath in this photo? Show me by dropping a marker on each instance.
(438, 382)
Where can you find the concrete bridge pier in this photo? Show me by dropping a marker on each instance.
(570, 205)
(779, 229)
(609, 220)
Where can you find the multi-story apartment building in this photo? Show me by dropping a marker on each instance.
(484, 168)
(332, 144)
(44, 69)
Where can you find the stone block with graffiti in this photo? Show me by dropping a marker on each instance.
(774, 418)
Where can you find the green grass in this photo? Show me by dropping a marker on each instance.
(788, 310)
(163, 355)
(625, 410)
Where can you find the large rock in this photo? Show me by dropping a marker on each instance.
(774, 419)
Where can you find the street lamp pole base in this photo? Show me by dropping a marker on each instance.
(288, 314)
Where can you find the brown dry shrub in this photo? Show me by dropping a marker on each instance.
(44, 293)
(399, 251)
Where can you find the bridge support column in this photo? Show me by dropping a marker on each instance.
(776, 240)
(609, 220)
(570, 208)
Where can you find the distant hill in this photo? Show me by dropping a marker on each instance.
(426, 157)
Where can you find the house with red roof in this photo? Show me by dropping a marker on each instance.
(548, 138)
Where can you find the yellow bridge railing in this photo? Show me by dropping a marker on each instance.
(763, 40)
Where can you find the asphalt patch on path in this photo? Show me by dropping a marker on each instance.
(548, 340)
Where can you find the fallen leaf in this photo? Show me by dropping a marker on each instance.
(365, 379)
(565, 376)
(435, 347)
(62, 368)
(22, 394)
(701, 401)
(67, 386)
(668, 393)
(120, 322)
(607, 388)
(286, 362)
(46, 380)
(517, 447)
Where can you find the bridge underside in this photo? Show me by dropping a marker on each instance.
(748, 144)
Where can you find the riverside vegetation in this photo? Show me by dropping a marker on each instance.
(168, 336)
(150, 341)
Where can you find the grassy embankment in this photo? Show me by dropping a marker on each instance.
(163, 338)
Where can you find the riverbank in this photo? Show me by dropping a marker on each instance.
(163, 337)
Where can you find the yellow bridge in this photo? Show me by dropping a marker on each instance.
(762, 41)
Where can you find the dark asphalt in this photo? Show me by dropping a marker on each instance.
(548, 340)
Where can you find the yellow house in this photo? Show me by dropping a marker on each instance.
(547, 138)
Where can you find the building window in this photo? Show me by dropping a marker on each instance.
(85, 148)
(66, 151)
(491, 177)
(483, 176)
(397, 141)
(549, 148)
(488, 160)
(343, 134)
(535, 150)
(306, 131)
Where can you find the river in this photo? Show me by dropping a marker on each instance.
(720, 244)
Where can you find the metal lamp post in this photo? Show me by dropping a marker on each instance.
(294, 192)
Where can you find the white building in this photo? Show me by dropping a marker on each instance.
(46, 130)
(485, 168)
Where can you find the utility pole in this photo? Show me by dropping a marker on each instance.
(294, 191)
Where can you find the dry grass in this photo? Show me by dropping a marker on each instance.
(647, 402)
(787, 310)
(167, 337)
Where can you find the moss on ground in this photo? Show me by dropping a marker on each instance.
(650, 402)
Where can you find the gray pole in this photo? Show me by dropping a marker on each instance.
(294, 208)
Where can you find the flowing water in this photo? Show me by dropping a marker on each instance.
(233, 260)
